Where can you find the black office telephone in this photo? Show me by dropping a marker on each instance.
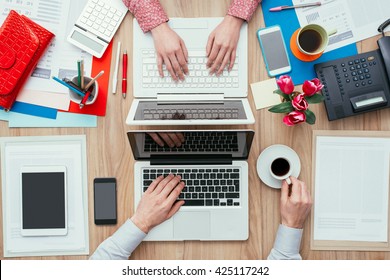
(358, 83)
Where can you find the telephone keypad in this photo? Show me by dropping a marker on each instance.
(351, 79)
(359, 70)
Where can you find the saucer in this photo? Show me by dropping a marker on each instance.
(297, 53)
(268, 155)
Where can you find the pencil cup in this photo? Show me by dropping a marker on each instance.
(74, 97)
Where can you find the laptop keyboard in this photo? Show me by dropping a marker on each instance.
(201, 141)
(203, 187)
(198, 76)
(191, 113)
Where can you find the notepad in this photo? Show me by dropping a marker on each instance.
(263, 93)
(351, 190)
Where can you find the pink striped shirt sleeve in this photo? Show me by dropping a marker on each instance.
(149, 13)
(243, 8)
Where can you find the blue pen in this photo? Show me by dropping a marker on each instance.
(68, 86)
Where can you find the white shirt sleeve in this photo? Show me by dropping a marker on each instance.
(287, 244)
(124, 241)
(121, 244)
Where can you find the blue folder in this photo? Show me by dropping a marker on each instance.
(288, 22)
(34, 110)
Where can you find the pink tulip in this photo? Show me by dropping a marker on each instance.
(285, 84)
(294, 118)
(312, 87)
(299, 102)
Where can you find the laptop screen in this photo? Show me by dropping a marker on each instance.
(146, 144)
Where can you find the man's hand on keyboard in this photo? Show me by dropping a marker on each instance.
(172, 139)
(159, 202)
(171, 51)
(222, 45)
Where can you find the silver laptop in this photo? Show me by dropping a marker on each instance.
(200, 99)
(213, 166)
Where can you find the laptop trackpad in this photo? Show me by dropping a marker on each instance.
(191, 225)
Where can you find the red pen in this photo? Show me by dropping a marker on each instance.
(124, 75)
(85, 98)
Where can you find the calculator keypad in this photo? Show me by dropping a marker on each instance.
(100, 18)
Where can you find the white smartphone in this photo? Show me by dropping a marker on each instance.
(43, 200)
(274, 50)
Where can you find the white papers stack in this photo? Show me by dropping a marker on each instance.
(69, 151)
(351, 189)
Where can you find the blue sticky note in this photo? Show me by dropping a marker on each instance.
(34, 110)
(288, 21)
(63, 119)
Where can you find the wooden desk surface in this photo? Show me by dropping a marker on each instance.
(109, 154)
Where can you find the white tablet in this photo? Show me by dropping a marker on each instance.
(43, 200)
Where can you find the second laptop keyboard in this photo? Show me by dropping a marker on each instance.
(203, 187)
(198, 76)
(200, 141)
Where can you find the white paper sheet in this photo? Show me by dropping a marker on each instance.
(55, 100)
(355, 20)
(60, 59)
(351, 189)
(69, 151)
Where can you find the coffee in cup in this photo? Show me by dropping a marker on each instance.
(280, 169)
(312, 39)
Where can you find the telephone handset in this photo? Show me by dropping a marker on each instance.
(358, 83)
(384, 46)
(382, 27)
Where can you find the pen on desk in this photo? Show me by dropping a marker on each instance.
(72, 84)
(72, 88)
(79, 73)
(94, 79)
(82, 74)
(124, 75)
(115, 76)
(280, 8)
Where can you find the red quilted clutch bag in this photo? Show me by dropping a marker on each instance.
(22, 44)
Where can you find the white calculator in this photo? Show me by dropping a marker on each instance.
(97, 24)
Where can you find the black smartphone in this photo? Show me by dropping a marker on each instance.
(104, 190)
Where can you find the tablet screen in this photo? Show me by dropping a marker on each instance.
(43, 200)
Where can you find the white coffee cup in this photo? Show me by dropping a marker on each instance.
(280, 168)
(313, 39)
